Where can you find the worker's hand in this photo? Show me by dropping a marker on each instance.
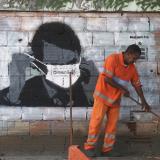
(146, 107)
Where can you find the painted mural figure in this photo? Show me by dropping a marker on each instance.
(55, 52)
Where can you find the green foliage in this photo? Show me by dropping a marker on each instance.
(113, 5)
(52, 4)
(116, 5)
(149, 4)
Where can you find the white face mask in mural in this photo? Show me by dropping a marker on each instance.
(60, 64)
(60, 74)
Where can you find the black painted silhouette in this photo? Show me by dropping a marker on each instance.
(55, 45)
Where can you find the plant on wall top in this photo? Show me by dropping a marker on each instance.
(67, 5)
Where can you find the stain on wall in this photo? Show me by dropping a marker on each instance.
(67, 5)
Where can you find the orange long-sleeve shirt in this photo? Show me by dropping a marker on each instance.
(115, 68)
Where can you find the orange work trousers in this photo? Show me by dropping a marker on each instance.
(98, 113)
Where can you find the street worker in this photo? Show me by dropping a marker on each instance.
(118, 71)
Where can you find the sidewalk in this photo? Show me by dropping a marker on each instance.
(56, 147)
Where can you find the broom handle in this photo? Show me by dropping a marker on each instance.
(70, 98)
(141, 105)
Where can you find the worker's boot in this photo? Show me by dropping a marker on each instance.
(90, 153)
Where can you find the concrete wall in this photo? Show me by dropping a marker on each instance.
(99, 34)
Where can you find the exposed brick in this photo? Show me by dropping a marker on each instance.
(117, 24)
(30, 23)
(96, 24)
(80, 127)
(20, 128)
(122, 129)
(60, 127)
(3, 133)
(147, 129)
(76, 23)
(3, 125)
(157, 38)
(39, 128)
(11, 124)
(103, 39)
(17, 39)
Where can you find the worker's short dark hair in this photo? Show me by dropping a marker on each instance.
(134, 49)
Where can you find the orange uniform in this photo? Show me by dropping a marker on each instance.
(107, 99)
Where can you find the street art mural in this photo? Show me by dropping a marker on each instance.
(101, 5)
(40, 76)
